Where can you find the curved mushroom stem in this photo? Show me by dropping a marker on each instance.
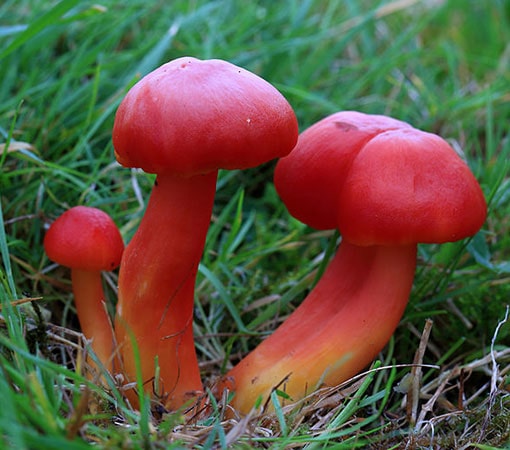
(338, 329)
(156, 287)
(92, 314)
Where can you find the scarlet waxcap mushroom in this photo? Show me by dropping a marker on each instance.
(385, 186)
(184, 121)
(87, 241)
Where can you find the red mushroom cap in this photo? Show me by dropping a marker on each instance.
(191, 117)
(380, 183)
(84, 238)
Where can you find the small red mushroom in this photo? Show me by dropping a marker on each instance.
(184, 121)
(87, 241)
(386, 186)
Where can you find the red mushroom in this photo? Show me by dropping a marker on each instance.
(183, 122)
(87, 241)
(386, 186)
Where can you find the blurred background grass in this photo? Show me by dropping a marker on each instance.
(442, 65)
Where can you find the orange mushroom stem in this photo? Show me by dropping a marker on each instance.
(157, 285)
(184, 121)
(386, 186)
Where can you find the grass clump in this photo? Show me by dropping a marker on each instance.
(65, 66)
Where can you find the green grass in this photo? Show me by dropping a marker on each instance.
(65, 66)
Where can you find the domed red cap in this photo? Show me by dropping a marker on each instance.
(84, 238)
(191, 116)
(380, 184)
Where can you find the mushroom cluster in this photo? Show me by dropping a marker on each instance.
(385, 185)
(183, 122)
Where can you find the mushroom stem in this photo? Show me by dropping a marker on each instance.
(343, 323)
(156, 287)
(92, 314)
